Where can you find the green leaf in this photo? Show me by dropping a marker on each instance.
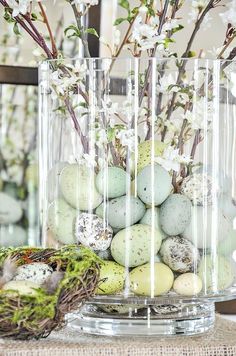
(34, 16)
(119, 21)
(125, 4)
(92, 31)
(16, 29)
(72, 31)
(179, 28)
(7, 15)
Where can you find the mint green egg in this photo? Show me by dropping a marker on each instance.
(112, 182)
(122, 211)
(152, 217)
(77, 185)
(154, 184)
(112, 277)
(216, 272)
(134, 245)
(227, 246)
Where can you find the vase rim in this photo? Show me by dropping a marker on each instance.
(206, 59)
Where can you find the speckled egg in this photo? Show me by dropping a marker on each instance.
(61, 221)
(145, 151)
(112, 182)
(10, 209)
(175, 214)
(12, 235)
(93, 232)
(77, 184)
(123, 211)
(217, 273)
(144, 282)
(152, 216)
(133, 246)
(179, 254)
(198, 188)
(153, 184)
(36, 272)
(21, 287)
(207, 226)
(188, 284)
(112, 278)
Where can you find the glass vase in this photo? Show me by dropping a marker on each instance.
(137, 162)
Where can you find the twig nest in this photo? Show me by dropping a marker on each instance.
(179, 254)
(175, 214)
(77, 184)
(32, 310)
(153, 184)
(143, 283)
(93, 232)
(188, 284)
(198, 188)
(134, 245)
(10, 209)
(21, 287)
(122, 212)
(34, 272)
(112, 182)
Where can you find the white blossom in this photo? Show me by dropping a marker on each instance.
(101, 137)
(145, 35)
(127, 138)
(201, 115)
(171, 159)
(19, 7)
(199, 4)
(165, 82)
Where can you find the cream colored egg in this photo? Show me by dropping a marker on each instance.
(148, 281)
(21, 287)
(61, 221)
(77, 184)
(188, 284)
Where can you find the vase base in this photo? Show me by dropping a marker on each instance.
(168, 320)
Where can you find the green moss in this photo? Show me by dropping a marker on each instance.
(30, 311)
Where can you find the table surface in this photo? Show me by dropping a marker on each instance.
(221, 341)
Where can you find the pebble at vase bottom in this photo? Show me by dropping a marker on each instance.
(137, 162)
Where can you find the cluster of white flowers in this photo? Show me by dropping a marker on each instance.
(229, 16)
(198, 6)
(19, 7)
(201, 115)
(127, 138)
(144, 35)
(171, 159)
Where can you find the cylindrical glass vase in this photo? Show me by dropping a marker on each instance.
(137, 162)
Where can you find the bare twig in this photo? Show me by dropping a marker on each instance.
(54, 47)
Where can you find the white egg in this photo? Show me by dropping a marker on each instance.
(188, 284)
(10, 209)
(36, 272)
(21, 287)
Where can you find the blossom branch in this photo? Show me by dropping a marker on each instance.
(54, 48)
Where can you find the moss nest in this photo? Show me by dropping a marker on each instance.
(35, 316)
